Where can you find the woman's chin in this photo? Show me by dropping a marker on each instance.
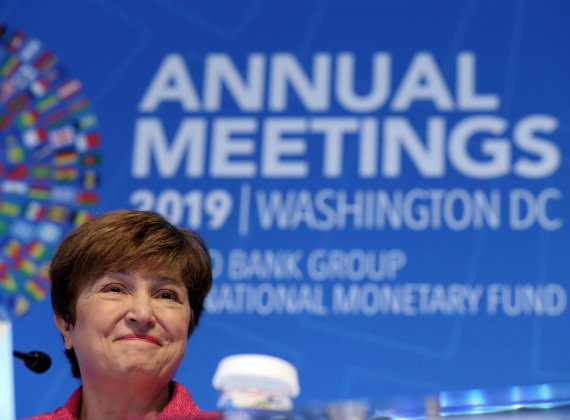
(130, 365)
(137, 373)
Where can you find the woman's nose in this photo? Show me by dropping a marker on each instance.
(141, 311)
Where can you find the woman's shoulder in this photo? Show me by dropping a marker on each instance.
(182, 406)
(69, 411)
(58, 414)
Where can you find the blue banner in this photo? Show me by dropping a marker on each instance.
(383, 185)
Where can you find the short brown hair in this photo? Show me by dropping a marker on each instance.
(123, 239)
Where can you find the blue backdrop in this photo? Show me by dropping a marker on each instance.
(383, 184)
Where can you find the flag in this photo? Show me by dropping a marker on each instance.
(65, 174)
(19, 305)
(45, 60)
(25, 267)
(18, 103)
(58, 214)
(23, 76)
(27, 119)
(34, 211)
(68, 89)
(39, 192)
(56, 118)
(61, 137)
(49, 233)
(65, 157)
(81, 216)
(12, 248)
(6, 90)
(88, 141)
(91, 159)
(9, 65)
(32, 47)
(46, 103)
(22, 230)
(7, 282)
(16, 172)
(9, 208)
(40, 171)
(86, 122)
(89, 179)
(38, 87)
(35, 289)
(15, 41)
(43, 272)
(14, 187)
(63, 193)
(34, 136)
(36, 250)
(87, 198)
(5, 121)
(79, 106)
(16, 153)
(40, 153)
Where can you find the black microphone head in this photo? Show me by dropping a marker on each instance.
(38, 361)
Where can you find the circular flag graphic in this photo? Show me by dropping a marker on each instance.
(49, 157)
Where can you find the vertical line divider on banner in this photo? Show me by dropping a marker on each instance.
(245, 198)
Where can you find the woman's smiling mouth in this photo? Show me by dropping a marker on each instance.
(140, 337)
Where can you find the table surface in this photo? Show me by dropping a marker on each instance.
(540, 402)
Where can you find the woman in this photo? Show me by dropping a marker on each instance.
(127, 291)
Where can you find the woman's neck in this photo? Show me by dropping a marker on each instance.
(123, 399)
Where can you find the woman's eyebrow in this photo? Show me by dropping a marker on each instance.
(122, 274)
(125, 275)
(171, 280)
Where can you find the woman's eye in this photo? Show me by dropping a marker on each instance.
(114, 288)
(168, 294)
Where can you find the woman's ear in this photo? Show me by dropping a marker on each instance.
(65, 328)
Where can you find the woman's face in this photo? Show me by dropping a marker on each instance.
(130, 323)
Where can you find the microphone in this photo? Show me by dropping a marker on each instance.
(37, 361)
